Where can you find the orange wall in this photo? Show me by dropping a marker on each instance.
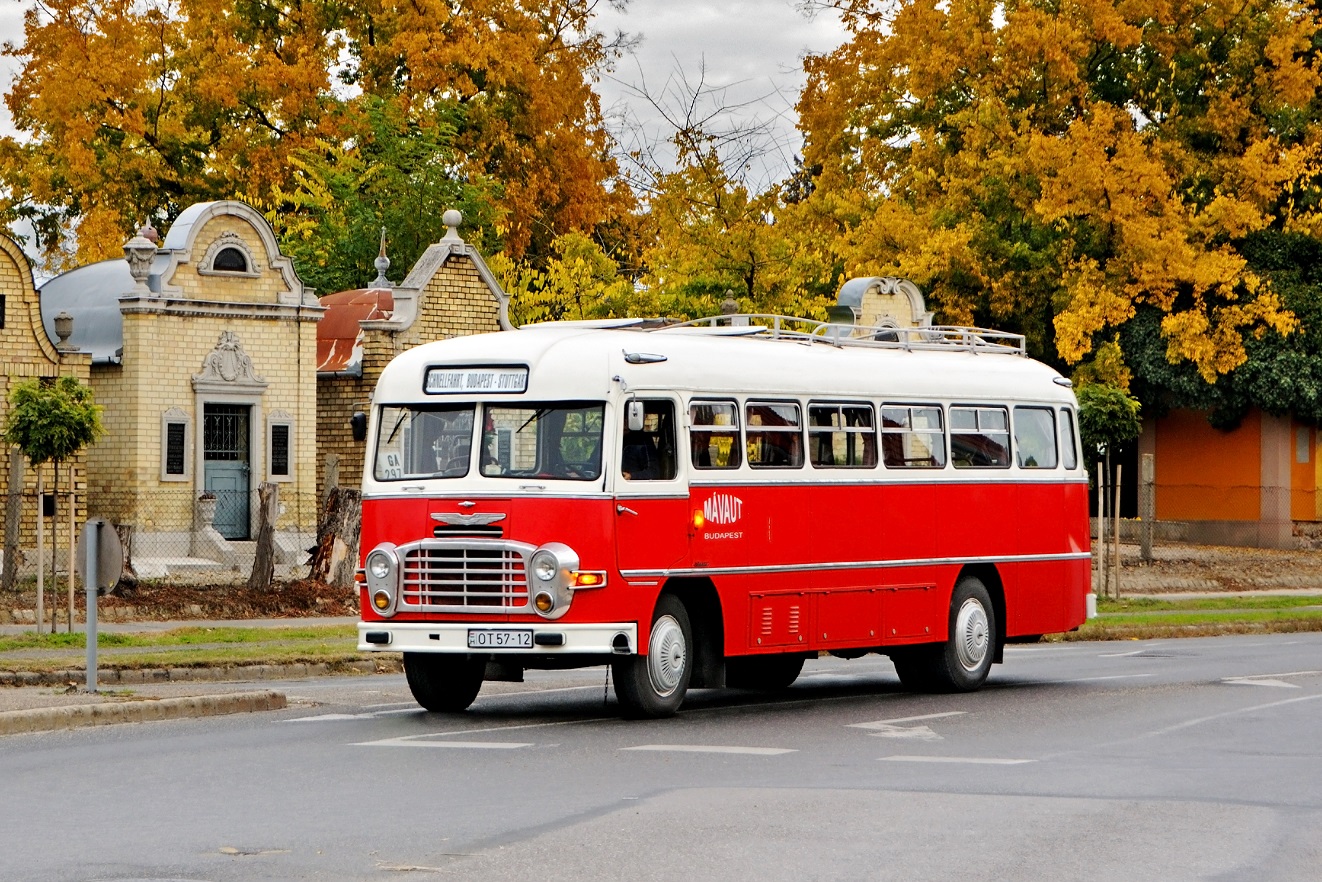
(1304, 500)
(1204, 474)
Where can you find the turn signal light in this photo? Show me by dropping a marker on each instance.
(544, 601)
(381, 600)
(593, 579)
(698, 519)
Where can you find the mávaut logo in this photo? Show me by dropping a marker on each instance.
(725, 509)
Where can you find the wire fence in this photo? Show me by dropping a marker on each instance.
(178, 536)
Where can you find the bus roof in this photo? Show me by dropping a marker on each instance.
(584, 361)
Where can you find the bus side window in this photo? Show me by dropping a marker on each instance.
(979, 437)
(775, 439)
(714, 435)
(841, 436)
(649, 454)
(1035, 437)
(1068, 441)
(912, 437)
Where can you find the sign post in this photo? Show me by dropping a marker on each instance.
(100, 560)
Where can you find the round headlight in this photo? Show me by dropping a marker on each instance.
(544, 601)
(378, 565)
(545, 565)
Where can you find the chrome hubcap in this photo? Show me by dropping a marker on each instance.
(666, 655)
(972, 634)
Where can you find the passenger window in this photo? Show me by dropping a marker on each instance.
(714, 435)
(649, 454)
(775, 440)
(1068, 438)
(912, 437)
(979, 437)
(841, 436)
(1035, 437)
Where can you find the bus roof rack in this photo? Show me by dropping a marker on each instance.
(781, 327)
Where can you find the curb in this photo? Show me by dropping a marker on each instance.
(143, 676)
(75, 716)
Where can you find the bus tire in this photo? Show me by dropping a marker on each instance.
(764, 673)
(444, 684)
(653, 685)
(962, 663)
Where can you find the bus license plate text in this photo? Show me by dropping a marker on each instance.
(493, 638)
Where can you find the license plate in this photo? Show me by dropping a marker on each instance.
(499, 638)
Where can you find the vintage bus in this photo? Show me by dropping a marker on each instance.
(710, 504)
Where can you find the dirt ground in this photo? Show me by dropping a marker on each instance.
(161, 602)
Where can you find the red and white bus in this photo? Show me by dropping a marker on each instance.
(710, 504)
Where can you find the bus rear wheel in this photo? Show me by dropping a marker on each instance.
(769, 673)
(962, 663)
(444, 684)
(654, 685)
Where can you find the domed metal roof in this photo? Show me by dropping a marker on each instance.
(91, 295)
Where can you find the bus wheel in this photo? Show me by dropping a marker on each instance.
(962, 663)
(444, 684)
(769, 673)
(654, 685)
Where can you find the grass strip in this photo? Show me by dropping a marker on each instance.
(179, 637)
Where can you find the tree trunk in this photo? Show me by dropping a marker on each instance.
(13, 517)
(263, 564)
(335, 558)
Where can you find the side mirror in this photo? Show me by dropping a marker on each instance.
(634, 414)
(358, 423)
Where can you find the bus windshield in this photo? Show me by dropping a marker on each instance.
(553, 440)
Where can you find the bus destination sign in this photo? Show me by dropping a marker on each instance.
(458, 381)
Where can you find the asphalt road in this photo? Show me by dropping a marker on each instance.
(1173, 760)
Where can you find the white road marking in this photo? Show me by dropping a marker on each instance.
(1259, 681)
(1123, 654)
(889, 729)
(1113, 677)
(975, 760)
(470, 745)
(1198, 721)
(712, 748)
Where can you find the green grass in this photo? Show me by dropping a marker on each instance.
(182, 637)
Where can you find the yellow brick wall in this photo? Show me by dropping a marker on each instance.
(26, 352)
(455, 301)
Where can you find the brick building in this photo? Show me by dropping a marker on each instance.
(26, 351)
(449, 292)
(203, 354)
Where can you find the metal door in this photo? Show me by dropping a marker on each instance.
(225, 450)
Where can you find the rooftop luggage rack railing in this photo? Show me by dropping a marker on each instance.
(935, 337)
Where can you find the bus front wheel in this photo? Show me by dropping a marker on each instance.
(444, 684)
(654, 685)
(962, 663)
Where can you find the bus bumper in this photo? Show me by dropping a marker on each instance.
(618, 638)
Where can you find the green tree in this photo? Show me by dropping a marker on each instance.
(387, 170)
(1108, 420)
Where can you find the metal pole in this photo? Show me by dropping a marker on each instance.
(1147, 507)
(1100, 549)
(1116, 520)
(91, 580)
(41, 551)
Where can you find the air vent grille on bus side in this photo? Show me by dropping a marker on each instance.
(478, 579)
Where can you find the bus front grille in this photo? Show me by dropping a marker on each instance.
(453, 576)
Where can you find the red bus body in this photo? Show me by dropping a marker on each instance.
(850, 549)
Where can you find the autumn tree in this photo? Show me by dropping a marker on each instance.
(711, 223)
(1060, 169)
(136, 108)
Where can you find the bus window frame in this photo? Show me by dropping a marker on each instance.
(1072, 455)
(1049, 434)
(979, 431)
(868, 433)
(759, 438)
(712, 431)
(406, 443)
(938, 456)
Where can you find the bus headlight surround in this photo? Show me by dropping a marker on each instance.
(382, 569)
(553, 567)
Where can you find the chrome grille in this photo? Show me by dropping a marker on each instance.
(439, 575)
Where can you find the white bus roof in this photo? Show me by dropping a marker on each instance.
(583, 361)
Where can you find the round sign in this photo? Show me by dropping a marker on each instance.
(109, 554)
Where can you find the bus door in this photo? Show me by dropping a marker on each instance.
(652, 517)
